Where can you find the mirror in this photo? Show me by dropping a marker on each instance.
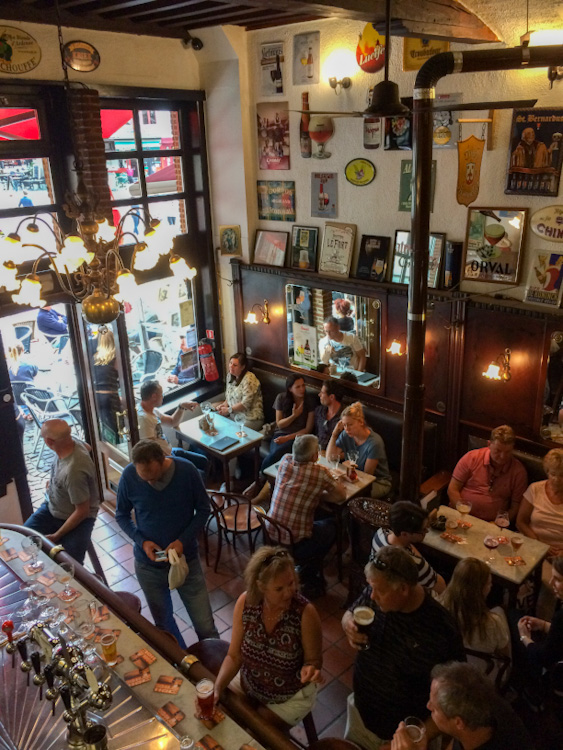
(552, 413)
(348, 347)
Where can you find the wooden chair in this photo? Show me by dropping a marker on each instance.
(493, 661)
(366, 516)
(233, 514)
(275, 533)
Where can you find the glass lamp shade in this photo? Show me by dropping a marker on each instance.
(395, 348)
(492, 372)
(251, 319)
(29, 293)
(126, 284)
(105, 231)
(180, 268)
(8, 273)
(145, 257)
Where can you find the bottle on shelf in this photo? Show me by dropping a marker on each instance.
(277, 76)
(372, 132)
(304, 137)
(310, 65)
(307, 351)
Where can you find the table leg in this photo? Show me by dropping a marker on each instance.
(226, 475)
(256, 462)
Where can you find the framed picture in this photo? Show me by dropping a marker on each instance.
(373, 258)
(402, 257)
(324, 195)
(276, 200)
(270, 247)
(536, 152)
(304, 248)
(273, 135)
(493, 242)
(229, 240)
(544, 282)
(337, 249)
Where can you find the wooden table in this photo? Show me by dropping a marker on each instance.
(191, 431)
(337, 507)
(509, 576)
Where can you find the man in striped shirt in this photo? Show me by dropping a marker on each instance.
(301, 485)
(408, 524)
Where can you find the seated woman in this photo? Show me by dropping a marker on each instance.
(482, 629)
(277, 639)
(243, 393)
(352, 433)
(540, 515)
(295, 415)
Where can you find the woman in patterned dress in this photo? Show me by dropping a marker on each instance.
(277, 640)
(243, 393)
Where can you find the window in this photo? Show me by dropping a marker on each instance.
(148, 117)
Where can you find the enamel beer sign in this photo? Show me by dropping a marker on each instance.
(19, 51)
(370, 52)
(548, 223)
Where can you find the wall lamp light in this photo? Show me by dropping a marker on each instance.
(338, 85)
(499, 369)
(264, 312)
(396, 348)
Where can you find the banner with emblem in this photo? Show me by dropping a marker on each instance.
(417, 51)
(469, 156)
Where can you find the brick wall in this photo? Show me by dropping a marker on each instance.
(322, 308)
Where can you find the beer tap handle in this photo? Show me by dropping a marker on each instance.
(51, 693)
(38, 679)
(64, 692)
(8, 629)
(22, 648)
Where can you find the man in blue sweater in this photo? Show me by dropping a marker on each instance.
(171, 507)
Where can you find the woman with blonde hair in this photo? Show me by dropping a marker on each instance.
(277, 639)
(351, 436)
(465, 597)
(540, 515)
(106, 384)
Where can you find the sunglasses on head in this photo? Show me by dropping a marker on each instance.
(275, 555)
(382, 565)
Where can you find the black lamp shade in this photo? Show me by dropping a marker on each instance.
(385, 101)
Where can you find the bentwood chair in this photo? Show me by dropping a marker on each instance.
(492, 662)
(233, 515)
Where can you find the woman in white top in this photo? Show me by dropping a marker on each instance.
(541, 512)
(243, 393)
(465, 597)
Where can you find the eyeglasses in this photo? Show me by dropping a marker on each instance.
(276, 555)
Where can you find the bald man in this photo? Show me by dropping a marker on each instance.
(67, 517)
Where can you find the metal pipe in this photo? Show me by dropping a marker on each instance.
(431, 72)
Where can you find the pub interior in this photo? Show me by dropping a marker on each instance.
(161, 99)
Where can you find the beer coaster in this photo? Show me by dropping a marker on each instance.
(24, 556)
(47, 578)
(207, 742)
(169, 685)
(99, 632)
(517, 560)
(8, 554)
(464, 524)
(73, 597)
(102, 613)
(142, 658)
(45, 591)
(503, 540)
(217, 717)
(3, 540)
(29, 571)
(452, 538)
(171, 714)
(137, 677)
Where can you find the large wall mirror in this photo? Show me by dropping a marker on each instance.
(552, 417)
(348, 346)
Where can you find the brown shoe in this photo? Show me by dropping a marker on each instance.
(263, 497)
(251, 491)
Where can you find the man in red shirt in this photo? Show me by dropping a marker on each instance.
(490, 478)
(301, 485)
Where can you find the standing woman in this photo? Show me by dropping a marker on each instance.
(243, 393)
(277, 639)
(295, 415)
(343, 310)
(106, 384)
(353, 434)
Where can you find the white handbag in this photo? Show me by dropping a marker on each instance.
(178, 569)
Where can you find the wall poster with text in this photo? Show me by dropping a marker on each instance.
(544, 282)
(405, 185)
(305, 351)
(536, 152)
(273, 135)
(276, 200)
(272, 69)
(324, 195)
(306, 58)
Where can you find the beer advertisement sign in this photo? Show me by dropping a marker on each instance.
(370, 52)
(544, 281)
(493, 244)
(19, 52)
(469, 156)
(548, 223)
(417, 51)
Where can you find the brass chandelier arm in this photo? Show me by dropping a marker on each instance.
(76, 295)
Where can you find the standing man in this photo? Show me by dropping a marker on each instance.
(467, 707)
(409, 635)
(68, 515)
(339, 346)
(490, 478)
(171, 507)
(301, 485)
(327, 415)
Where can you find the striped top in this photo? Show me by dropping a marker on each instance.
(271, 663)
(426, 574)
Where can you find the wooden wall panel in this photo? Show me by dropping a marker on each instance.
(267, 342)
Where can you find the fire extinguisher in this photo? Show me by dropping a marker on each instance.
(207, 360)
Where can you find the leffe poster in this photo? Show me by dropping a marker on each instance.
(536, 152)
(306, 58)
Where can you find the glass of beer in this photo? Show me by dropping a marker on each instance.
(109, 648)
(363, 618)
(415, 729)
(204, 691)
(516, 541)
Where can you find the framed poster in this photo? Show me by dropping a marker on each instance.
(544, 282)
(373, 258)
(536, 152)
(435, 252)
(405, 185)
(306, 58)
(398, 133)
(276, 200)
(402, 257)
(273, 135)
(493, 242)
(270, 247)
(304, 248)
(337, 249)
(305, 349)
(229, 240)
(272, 69)
(324, 195)
(444, 130)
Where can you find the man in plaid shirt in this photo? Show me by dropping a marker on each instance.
(301, 485)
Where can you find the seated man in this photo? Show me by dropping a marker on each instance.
(409, 635)
(151, 419)
(327, 415)
(67, 517)
(468, 708)
(341, 347)
(183, 374)
(490, 478)
(408, 523)
(301, 485)
(53, 325)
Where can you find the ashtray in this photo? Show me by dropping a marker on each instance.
(439, 523)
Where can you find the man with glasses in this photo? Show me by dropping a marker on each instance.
(408, 525)
(409, 635)
(328, 413)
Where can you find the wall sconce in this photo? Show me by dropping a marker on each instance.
(344, 83)
(396, 348)
(499, 369)
(251, 317)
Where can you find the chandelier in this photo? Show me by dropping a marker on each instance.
(87, 262)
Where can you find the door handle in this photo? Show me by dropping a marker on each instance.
(124, 430)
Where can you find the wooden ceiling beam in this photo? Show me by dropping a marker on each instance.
(235, 18)
(160, 6)
(162, 16)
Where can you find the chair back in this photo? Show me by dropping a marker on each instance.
(491, 662)
(275, 533)
(18, 387)
(23, 335)
(234, 513)
(146, 365)
(366, 516)
(44, 404)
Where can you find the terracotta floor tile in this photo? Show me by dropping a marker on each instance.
(324, 715)
(336, 661)
(347, 677)
(234, 587)
(332, 628)
(226, 612)
(213, 579)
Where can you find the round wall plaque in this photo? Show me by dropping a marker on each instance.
(19, 52)
(360, 172)
(81, 56)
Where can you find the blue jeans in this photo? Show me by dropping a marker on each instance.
(199, 460)
(75, 542)
(193, 593)
(309, 553)
(276, 452)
